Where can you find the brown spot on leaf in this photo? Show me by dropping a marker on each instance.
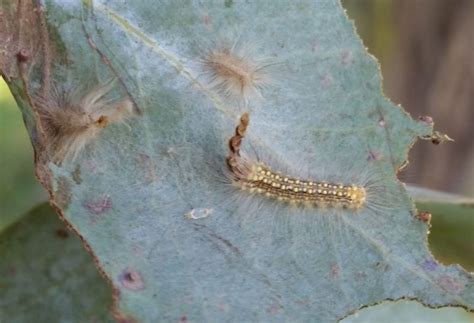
(450, 284)
(424, 216)
(346, 57)
(183, 319)
(100, 205)
(335, 270)
(426, 119)
(131, 279)
(326, 81)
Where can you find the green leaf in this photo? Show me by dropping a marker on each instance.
(451, 237)
(47, 276)
(452, 222)
(19, 190)
(243, 257)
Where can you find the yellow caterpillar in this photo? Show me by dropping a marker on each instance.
(257, 177)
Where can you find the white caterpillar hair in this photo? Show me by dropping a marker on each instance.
(71, 121)
(236, 72)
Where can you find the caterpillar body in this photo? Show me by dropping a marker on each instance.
(257, 177)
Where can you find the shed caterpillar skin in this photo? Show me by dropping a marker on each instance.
(235, 72)
(257, 177)
(71, 122)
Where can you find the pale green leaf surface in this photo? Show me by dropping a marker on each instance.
(46, 274)
(409, 312)
(251, 259)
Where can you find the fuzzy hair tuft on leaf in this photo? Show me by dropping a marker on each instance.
(71, 121)
(236, 72)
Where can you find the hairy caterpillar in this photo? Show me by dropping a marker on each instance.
(71, 121)
(256, 176)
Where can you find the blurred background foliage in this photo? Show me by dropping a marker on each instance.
(425, 48)
(19, 189)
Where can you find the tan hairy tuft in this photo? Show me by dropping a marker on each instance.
(70, 123)
(235, 73)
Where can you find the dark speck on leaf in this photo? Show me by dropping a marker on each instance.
(424, 216)
(426, 119)
(373, 156)
(76, 175)
(131, 279)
